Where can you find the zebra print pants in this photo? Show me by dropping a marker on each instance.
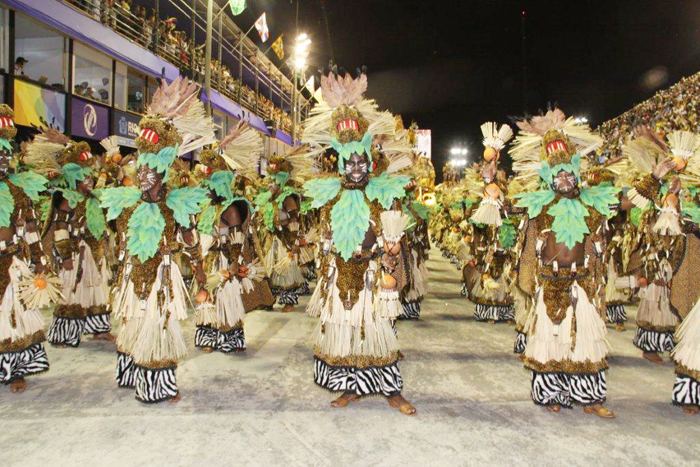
(126, 371)
(226, 342)
(616, 314)
(520, 343)
(30, 361)
(493, 312)
(97, 324)
(463, 291)
(653, 341)
(566, 389)
(686, 391)
(385, 380)
(155, 385)
(66, 331)
(411, 310)
(286, 297)
(304, 289)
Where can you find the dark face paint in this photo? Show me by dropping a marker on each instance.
(356, 168)
(147, 178)
(565, 182)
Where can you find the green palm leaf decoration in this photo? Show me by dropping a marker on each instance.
(206, 220)
(186, 202)
(284, 194)
(691, 210)
(7, 204)
(600, 198)
(386, 189)
(94, 217)
(73, 197)
(115, 200)
(220, 182)
(144, 231)
(569, 223)
(268, 214)
(160, 162)
(262, 198)
(32, 183)
(321, 190)
(422, 210)
(72, 174)
(507, 234)
(534, 201)
(349, 222)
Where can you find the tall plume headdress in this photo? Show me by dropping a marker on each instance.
(549, 143)
(175, 124)
(350, 123)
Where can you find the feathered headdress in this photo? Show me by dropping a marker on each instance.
(56, 156)
(494, 137)
(550, 141)
(241, 148)
(346, 120)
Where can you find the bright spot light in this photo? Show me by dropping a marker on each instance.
(464, 151)
(454, 151)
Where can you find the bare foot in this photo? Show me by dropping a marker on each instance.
(492, 321)
(554, 408)
(398, 402)
(521, 357)
(653, 357)
(344, 400)
(18, 385)
(238, 350)
(691, 409)
(287, 308)
(176, 399)
(599, 410)
(207, 349)
(104, 336)
(620, 327)
(401, 356)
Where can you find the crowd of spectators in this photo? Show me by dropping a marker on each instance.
(673, 108)
(141, 25)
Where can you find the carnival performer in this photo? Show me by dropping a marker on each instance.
(492, 233)
(153, 221)
(25, 284)
(357, 296)
(662, 236)
(285, 245)
(76, 231)
(561, 265)
(224, 228)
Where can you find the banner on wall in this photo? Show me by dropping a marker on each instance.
(89, 120)
(39, 106)
(126, 127)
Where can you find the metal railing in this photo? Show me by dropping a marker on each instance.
(142, 26)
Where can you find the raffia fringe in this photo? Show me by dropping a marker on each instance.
(687, 351)
(27, 321)
(548, 342)
(638, 199)
(489, 212)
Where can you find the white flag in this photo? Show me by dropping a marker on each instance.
(261, 26)
(310, 84)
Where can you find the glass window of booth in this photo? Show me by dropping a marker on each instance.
(137, 91)
(120, 86)
(40, 53)
(92, 74)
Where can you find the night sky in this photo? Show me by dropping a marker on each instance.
(451, 65)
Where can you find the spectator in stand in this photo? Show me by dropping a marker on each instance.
(19, 65)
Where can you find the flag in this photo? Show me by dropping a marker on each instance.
(237, 6)
(310, 84)
(261, 26)
(318, 95)
(278, 47)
